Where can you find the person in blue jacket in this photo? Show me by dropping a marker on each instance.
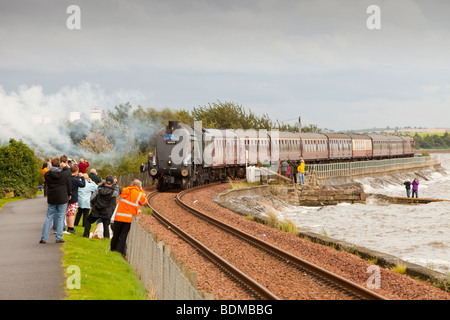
(84, 197)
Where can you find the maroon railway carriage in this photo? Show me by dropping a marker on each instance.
(288, 144)
(361, 146)
(339, 146)
(408, 146)
(314, 146)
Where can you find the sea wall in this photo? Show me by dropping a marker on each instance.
(306, 196)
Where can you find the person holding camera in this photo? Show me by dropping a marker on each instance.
(131, 198)
(83, 165)
(103, 202)
(78, 181)
(84, 199)
(59, 194)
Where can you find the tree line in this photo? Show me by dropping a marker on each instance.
(127, 133)
(121, 141)
(432, 141)
(230, 115)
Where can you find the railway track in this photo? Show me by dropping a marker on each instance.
(314, 276)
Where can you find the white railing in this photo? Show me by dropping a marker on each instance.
(351, 169)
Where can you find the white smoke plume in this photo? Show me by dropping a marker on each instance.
(40, 119)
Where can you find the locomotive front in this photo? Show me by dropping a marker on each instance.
(173, 162)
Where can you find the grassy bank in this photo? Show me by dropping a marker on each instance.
(105, 275)
(5, 201)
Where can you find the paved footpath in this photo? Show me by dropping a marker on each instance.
(29, 270)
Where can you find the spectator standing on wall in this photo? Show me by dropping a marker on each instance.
(415, 188)
(284, 168)
(301, 171)
(407, 184)
(294, 171)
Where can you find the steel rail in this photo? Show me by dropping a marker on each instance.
(253, 285)
(321, 272)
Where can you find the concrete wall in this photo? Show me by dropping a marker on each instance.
(317, 197)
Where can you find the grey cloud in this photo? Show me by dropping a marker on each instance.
(314, 58)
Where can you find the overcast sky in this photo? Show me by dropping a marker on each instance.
(310, 58)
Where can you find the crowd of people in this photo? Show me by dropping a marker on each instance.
(74, 196)
(295, 170)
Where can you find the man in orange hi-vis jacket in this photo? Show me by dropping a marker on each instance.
(131, 198)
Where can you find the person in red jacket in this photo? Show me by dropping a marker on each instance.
(131, 198)
(82, 166)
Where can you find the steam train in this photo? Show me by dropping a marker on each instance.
(187, 155)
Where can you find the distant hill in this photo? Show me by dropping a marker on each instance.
(407, 130)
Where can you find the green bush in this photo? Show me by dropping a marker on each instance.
(18, 169)
(122, 165)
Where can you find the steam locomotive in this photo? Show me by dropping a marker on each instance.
(188, 156)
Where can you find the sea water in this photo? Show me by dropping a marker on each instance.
(419, 234)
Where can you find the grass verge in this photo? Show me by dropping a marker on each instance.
(104, 275)
(286, 226)
(399, 268)
(5, 201)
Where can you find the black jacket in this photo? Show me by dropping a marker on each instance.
(59, 185)
(76, 183)
(103, 200)
(95, 178)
